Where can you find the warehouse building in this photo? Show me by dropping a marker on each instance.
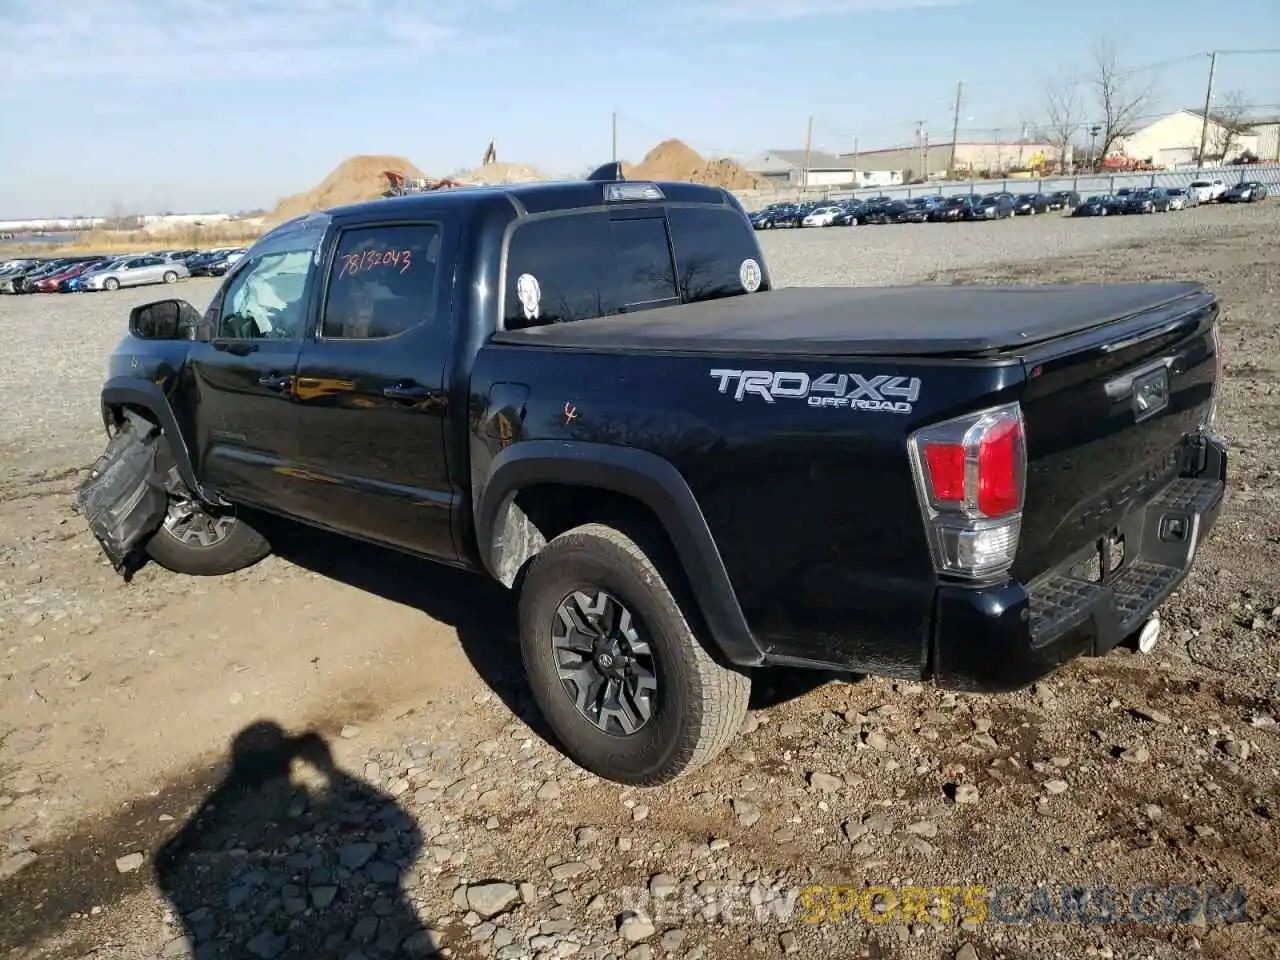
(973, 156)
(1267, 130)
(1174, 140)
(786, 168)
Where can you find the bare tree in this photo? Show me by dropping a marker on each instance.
(1226, 124)
(1064, 111)
(1121, 100)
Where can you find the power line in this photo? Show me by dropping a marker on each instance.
(1085, 81)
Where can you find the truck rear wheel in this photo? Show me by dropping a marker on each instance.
(614, 665)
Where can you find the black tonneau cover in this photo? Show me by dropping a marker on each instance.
(925, 320)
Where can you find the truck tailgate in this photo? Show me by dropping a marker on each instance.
(1106, 413)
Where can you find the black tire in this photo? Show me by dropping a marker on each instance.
(170, 276)
(242, 546)
(234, 545)
(699, 703)
(111, 283)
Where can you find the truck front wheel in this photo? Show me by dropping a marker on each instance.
(614, 665)
(202, 544)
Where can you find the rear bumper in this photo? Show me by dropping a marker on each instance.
(1006, 636)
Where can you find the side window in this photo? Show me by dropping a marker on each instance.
(642, 257)
(711, 245)
(266, 298)
(554, 270)
(382, 282)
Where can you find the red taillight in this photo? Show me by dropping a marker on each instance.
(946, 471)
(1000, 469)
(970, 475)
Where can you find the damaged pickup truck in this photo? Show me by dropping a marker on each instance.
(590, 392)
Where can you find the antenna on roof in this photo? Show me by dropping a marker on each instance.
(608, 173)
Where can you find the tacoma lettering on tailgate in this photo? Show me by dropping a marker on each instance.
(882, 393)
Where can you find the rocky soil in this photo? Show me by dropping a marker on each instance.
(332, 755)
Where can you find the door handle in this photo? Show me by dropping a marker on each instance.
(275, 381)
(407, 390)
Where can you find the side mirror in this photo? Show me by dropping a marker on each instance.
(164, 320)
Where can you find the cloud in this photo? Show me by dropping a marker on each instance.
(756, 11)
(178, 41)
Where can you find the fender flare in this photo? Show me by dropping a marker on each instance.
(147, 396)
(644, 477)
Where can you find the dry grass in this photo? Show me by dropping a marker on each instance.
(140, 241)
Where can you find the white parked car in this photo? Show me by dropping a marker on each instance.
(821, 217)
(1207, 191)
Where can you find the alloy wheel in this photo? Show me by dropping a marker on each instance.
(605, 665)
(187, 523)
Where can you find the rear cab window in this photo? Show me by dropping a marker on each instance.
(716, 253)
(575, 266)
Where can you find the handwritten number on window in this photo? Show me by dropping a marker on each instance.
(353, 263)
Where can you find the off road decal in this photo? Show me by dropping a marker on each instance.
(882, 393)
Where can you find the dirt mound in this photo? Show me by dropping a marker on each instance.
(352, 181)
(676, 160)
(503, 173)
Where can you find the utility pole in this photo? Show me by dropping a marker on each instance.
(920, 142)
(614, 125)
(1208, 97)
(926, 156)
(955, 124)
(855, 161)
(808, 153)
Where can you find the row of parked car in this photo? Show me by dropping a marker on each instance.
(95, 272)
(1162, 200)
(1002, 205)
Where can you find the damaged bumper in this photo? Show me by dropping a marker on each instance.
(1004, 637)
(124, 498)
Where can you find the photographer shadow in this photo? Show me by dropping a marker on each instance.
(292, 857)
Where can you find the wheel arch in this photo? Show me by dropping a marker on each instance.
(597, 481)
(148, 400)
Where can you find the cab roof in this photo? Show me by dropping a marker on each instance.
(534, 197)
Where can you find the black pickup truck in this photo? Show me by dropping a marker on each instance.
(591, 392)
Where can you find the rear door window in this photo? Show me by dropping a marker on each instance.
(383, 281)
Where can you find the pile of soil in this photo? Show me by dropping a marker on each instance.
(676, 160)
(503, 173)
(354, 180)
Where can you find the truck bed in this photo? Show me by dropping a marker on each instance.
(925, 320)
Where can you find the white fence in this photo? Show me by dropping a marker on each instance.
(1085, 184)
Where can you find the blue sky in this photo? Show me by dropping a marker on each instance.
(198, 105)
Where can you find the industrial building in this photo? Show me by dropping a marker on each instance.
(1174, 141)
(787, 168)
(971, 156)
(1267, 131)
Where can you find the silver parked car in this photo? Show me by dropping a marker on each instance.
(135, 272)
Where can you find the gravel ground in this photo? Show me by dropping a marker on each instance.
(146, 730)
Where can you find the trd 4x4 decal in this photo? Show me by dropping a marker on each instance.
(882, 393)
